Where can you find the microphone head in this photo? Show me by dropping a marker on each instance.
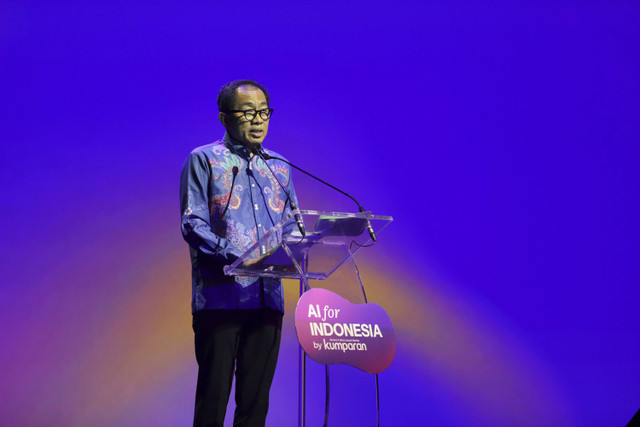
(260, 152)
(256, 148)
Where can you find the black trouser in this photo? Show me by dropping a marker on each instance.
(248, 340)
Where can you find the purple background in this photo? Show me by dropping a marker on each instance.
(501, 136)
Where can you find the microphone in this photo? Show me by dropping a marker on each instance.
(235, 171)
(370, 230)
(257, 150)
(266, 156)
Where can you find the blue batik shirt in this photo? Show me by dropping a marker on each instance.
(228, 201)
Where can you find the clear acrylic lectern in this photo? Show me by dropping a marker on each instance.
(331, 239)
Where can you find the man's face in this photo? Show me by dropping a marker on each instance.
(248, 132)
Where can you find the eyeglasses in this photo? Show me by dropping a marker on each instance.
(265, 114)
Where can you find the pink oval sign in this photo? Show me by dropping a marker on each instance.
(333, 330)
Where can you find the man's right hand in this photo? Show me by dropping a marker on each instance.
(254, 261)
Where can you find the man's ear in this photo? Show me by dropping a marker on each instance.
(223, 118)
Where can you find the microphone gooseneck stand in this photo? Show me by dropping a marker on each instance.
(235, 174)
(264, 156)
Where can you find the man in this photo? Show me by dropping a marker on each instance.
(229, 200)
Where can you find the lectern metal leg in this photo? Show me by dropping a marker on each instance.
(302, 268)
(302, 360)
(364, 295)
(302, 368)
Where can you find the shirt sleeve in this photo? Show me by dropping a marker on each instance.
(194, 205)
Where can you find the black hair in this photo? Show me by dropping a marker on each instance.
(227, 94)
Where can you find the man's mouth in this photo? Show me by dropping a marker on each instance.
(256, 133)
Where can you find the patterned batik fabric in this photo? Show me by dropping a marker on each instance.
(228, 201)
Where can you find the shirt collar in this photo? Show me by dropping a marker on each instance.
(234, 146)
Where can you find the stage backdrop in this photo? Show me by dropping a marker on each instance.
(501, 136)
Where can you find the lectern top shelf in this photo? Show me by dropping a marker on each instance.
(330, 239)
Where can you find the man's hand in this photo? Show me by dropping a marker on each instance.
(254, 261)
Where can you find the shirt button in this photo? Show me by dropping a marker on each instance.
(256, 206)
(253, 185)
(259, 225)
